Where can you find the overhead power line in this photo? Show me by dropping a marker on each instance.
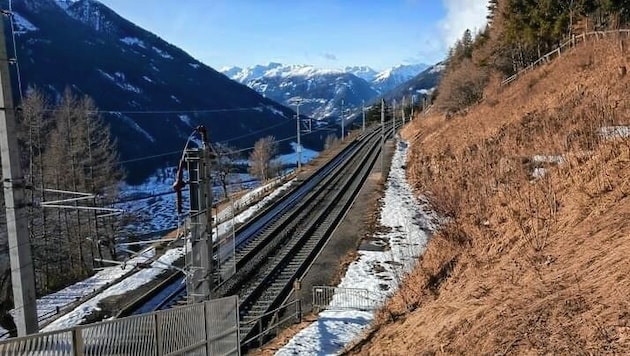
(158, 112)
(172, 153)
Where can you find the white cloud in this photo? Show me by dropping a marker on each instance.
(462, 15)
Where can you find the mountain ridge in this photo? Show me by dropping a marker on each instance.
(151, 91)
(322, 92)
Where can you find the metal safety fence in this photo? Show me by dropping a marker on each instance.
(209, 328)
(571, 42)
(334, 298)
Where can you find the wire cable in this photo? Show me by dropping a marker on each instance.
(15, 55)
(144, 158)
(157, 112)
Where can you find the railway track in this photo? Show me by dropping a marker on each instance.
(279, 244)
(281, 253)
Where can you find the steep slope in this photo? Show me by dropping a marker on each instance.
(154, 92)
(533, 256)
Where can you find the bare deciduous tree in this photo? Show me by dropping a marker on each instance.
(261, 165)
(224, 166)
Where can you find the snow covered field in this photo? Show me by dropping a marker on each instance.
(409, 221)
(153, 201)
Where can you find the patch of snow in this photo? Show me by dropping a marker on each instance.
(132, 41)
(119, 79)
(135, 281)
(175, 99)
(64, 4)
(615, 132)
(539, 173)
(549, 159)
(194, 65)
(162, 53)
(438, 68)
(22, 25)
(409, 221)
(275, 111)
(147, 79)
(225, 227)
(291, 158)
(135, 126)
(185, 119)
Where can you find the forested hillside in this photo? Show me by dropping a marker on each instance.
(531, 180)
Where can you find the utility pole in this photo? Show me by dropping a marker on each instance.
(299, 143)
(383, 138)
(343, 128)
(412, 102)
(200, 261)
(363, 111)
(22, 275)
(394, 117)
(403, 110)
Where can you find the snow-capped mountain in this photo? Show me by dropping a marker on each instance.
(395, 76)
(321, 91)
(85, 46)
(364, 72)
(421, 85)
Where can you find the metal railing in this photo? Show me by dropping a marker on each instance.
(571, 42)
(334, 298)
(209, 328)
(279, 317)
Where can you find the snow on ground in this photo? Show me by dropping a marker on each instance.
(162, 53)
(47, 306)
(408, 221)
(291, 158)
(22, 25)
(78, 315)
(615, 131)
(251, 211)
(133, 41)
(154, 201)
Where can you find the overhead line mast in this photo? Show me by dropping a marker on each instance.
(22, 274)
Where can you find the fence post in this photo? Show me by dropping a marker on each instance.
(298, 311)
(77, 342)
(260, 333)
(158, 337)
(206, 326)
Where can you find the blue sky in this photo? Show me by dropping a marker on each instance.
(324, 33)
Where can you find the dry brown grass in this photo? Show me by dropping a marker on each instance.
(524, 265)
